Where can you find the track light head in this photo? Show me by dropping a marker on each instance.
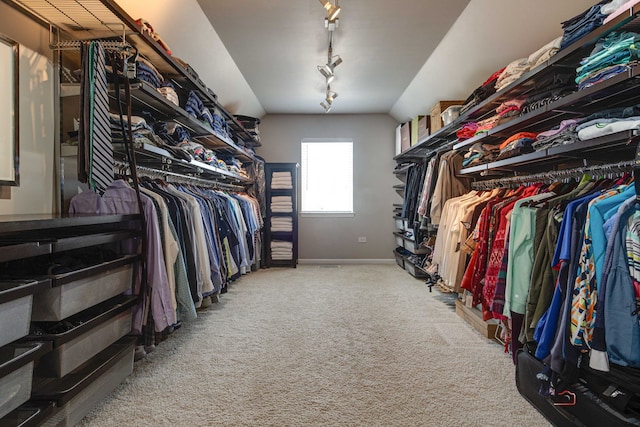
(335, 61)
(326, 105)
(332, 10)
(327, 72)
(331, 95)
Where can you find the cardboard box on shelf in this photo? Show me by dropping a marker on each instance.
(405, 136)
(419, 129)
(436, 119)
(423, 127)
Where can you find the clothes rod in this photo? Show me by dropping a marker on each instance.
(75, 45)
(108, 43)
(609, 168)
(178, 178)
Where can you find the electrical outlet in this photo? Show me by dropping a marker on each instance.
(362, 240)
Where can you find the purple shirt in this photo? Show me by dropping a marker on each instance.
(120, 198)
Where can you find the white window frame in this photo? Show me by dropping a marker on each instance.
(330, 166)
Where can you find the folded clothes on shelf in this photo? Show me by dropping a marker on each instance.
(281, 199)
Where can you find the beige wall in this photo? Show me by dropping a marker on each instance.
(185, 28)
(36, 191)
(373, 150)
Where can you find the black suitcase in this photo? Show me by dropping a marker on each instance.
(582, 407)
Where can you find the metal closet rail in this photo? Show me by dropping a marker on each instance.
(603, 169)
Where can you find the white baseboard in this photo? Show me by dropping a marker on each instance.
(346, 261)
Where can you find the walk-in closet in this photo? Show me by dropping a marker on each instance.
(319, 212)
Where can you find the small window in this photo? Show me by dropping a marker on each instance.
(327, 177)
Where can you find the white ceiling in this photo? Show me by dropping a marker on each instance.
(400, 56)
(278, 44)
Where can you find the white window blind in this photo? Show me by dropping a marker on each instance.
(327, 176)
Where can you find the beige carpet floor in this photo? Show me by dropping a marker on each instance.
(323, 346)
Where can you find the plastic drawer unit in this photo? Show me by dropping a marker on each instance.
(16, 373)
(78, 392)
(85, 335)
(73, 292)
(16, 300)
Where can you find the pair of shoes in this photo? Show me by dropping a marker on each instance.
(206, 302)
(140, 353)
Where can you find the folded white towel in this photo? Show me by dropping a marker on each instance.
(280, 199)
(283, 174)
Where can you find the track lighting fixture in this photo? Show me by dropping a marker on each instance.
(333, 10)
(328, 70)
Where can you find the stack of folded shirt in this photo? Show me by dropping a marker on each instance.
(168, 90)
(147, 72)
(480, 153)
(564, 133)
(282, 224)
(220, 126)
(467, 131)
(622, 9)
(234, 165)
(544, 53)
(548, 89)
(512, 72)
(610, 56)
(216, 122)
(486, 125)
(517, 68)
(281, 250)
(281, 181)
(487, 89)
(582, 24)
(509, 110)
(281, 204)
(517, 144)
(607, 124)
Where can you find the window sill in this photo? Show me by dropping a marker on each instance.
(327, 214)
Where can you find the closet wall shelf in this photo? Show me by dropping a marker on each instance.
(162, 160)
(281, 192)
(568, 57)
(35, 222)
(145, 98)
(282, 235)
(543, 159)
(403, 170)
(413, 269)
(99, 19)
(619, 90)
(273, 214)
(403, 236)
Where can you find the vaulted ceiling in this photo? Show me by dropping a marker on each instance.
(399, 56)
(278, 45)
